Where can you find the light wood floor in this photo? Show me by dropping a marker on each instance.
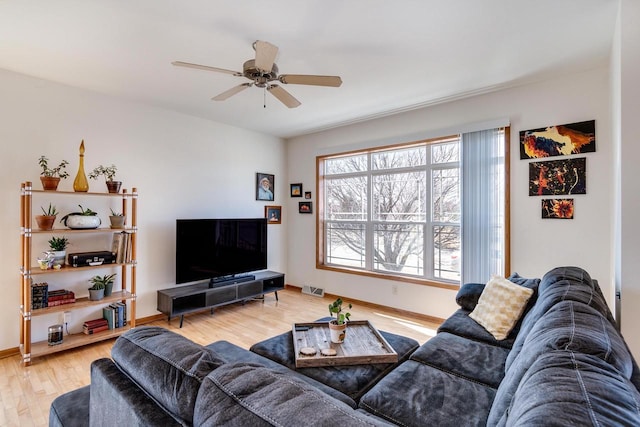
(27, 392)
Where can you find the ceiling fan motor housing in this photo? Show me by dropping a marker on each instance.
(260, 77)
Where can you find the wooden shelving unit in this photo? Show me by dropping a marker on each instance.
(29, 349)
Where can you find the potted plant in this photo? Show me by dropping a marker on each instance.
(105, 282)
(96, 292)
(58, 246)
(48, 218)
(50, 177)
(338, 326)
(117, 219)
(109, 173)
(86, 218)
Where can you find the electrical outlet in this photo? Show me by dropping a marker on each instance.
(66, 317)
(394, 289)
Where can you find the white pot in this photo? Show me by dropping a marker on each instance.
(337, 332)
(58, 257)
(83, 221)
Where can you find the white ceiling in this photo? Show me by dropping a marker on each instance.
(392, 55)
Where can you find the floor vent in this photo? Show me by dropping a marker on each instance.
(310, 290)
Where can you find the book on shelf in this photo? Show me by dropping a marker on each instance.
(96, 325)
(95, 330)
(39, 295)
(120, 314)
(109, 314)
(121, 246)
(60, 297)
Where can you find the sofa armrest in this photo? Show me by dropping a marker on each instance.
(116, 401)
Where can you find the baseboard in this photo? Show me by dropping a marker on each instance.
(9, 352)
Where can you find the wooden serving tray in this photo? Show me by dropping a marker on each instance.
(363, 345)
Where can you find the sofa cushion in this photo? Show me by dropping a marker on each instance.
(242, 394)
(473, 360)
(167, 366)
(500, 306)
(569, 326)
(70, 409)
(573, 389)
(459, 323)
(415, 394)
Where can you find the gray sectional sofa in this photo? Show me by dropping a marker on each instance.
(564, 363)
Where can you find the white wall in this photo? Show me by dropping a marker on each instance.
(537, 245)
(183, 167)
(627, 119)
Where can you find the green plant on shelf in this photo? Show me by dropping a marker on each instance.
(49, 212)
(58, 243)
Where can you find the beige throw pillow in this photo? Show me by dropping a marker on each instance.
(500, 306)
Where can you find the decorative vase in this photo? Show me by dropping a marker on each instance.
(45, 222)
(117, 221)
(58, 257)
(114, 186)
(83, 221)
(108, 288)
(96, 294)
(80, 184)
(50, 183)
(337, 332)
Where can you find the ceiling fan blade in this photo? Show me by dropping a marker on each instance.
(265, 55)
(229, 93)
(283, 96)
(305, 79)
(205, 67)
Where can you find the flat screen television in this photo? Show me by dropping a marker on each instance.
(217, 249)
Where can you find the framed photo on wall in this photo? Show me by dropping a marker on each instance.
(305, 207)
(273, 214)
(307, 194)
(296, 190)
(265, 186)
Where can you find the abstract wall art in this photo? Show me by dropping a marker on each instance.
(558, 177)
(557, 208)
(558, 140)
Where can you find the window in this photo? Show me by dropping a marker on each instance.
(395, 211)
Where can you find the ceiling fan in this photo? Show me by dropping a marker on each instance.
(262, 71)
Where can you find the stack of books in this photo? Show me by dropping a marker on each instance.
(94, 326)
(121, 246)
(60, 297)
(115, 315)
(39, 295)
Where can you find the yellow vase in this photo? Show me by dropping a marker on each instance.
(81, 184)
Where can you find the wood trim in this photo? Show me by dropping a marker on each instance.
(9, 352)
(507, 201)
(398, 311)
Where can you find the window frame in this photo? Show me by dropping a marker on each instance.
(320, 211)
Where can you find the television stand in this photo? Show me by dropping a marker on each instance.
(216, 282)
(182, 300)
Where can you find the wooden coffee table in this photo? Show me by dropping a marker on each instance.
(363, 345)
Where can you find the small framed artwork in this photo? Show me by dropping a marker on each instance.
(265, 186)
(273, 214)
(296, 190)
(307, 194)
(558, 177)
(305, 207)
(557, 208)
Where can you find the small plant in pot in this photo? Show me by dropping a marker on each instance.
(117, 219)
(103, 282)
(338, 326)
(86, 218)
(58, 246)
(109, 173)
(50, 177)
(96, 292)
(48, 218)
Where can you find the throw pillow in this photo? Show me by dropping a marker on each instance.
(469, 294)
(500, 306)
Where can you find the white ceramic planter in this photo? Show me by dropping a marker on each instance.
(83, 221)
(337, 332)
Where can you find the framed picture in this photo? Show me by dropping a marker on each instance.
(558, 140)
(305, 207)
(273, 214)
(558, 177)
(265, 186)
(557, 208)
(296, 190)
(307, 194)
